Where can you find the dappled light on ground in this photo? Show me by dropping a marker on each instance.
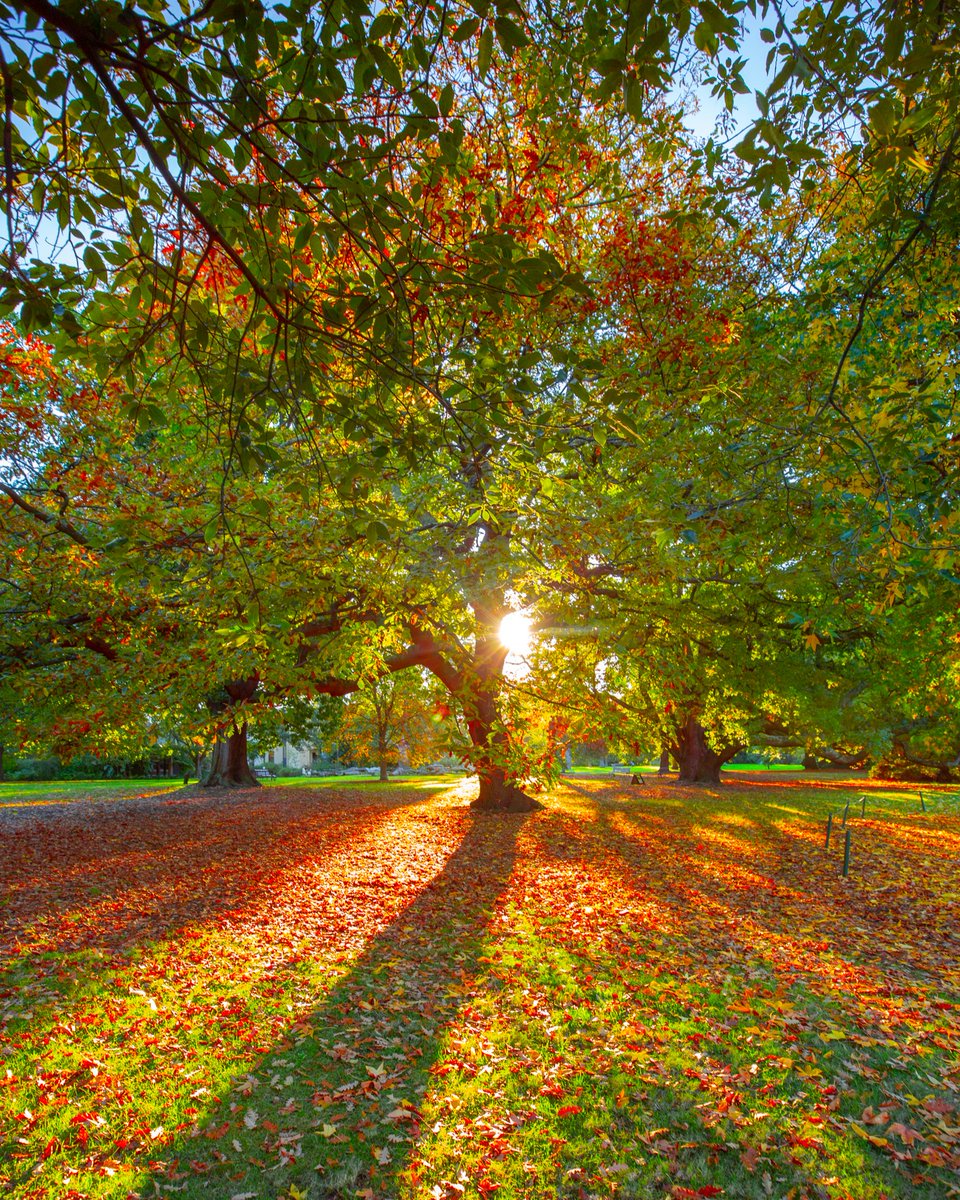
(293, 993)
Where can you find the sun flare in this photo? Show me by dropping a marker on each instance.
(516, 633)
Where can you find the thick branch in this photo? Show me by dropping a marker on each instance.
(40, 514)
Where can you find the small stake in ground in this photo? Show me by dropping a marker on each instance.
(863, 806)
(846, 813)
(846, 854)
(922, 805)
(826, 844)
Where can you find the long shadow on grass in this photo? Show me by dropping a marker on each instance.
(333, 1108)
(708, 859)
(79, 903)
(715, 929)
(731, 924)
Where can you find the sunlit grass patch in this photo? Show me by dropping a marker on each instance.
(29, 792)
(376, 993)
(398, 782)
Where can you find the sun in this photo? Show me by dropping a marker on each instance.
(516, 633)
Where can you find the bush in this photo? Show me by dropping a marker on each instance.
(449, 764)
(36, 769)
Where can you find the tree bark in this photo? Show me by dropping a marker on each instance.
(497, 792)
(828, 759)
(229, 765)
(699, 762)
(384, 776)
(664, 768)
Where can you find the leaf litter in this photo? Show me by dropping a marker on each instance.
(331, 994)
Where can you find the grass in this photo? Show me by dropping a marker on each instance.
(415, 782)
(373, 992)
(19, 792)
(648, 768)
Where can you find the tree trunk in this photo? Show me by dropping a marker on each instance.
(229, 766)
(699, 762)
(383, 748)
(497, 792)
(498, 795)
(664, 768)
(2, 776)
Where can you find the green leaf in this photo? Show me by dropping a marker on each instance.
(633, 96)
(705, 39)
(466, 29)
(383, 25)
(92, 260)
(509, 34)
(304, 234)
(485, 52)
(424, 104)
(883, 117)
(378, 532)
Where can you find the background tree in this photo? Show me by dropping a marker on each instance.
(393, 722)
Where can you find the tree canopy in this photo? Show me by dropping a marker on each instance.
(337, 335)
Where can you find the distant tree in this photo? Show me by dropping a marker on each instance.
(391, 721)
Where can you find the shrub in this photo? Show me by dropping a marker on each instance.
(37, 769)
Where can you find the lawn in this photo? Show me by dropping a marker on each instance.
(371, 992)
(648, 768)
(24, 791)
(20, 793)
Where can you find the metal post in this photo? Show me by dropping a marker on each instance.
(846, 854)
(922, 805)
(863, 806)
(826, 844)
(846, 813)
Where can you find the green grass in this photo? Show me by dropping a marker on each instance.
(652, 768)
(415, 782)
(17, 791)
(373, 992)
(60, 790)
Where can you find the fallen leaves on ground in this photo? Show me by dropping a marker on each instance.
(675, 994)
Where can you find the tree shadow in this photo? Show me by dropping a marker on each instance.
(752, 913)
(83, 902)
(326, 1103)
(767, 872)
(135, 874)
(333, 1106)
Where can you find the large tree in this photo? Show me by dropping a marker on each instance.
(450, 332)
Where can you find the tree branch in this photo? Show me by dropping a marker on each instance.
(40, 514)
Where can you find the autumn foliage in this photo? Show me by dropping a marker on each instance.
(620, 995)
